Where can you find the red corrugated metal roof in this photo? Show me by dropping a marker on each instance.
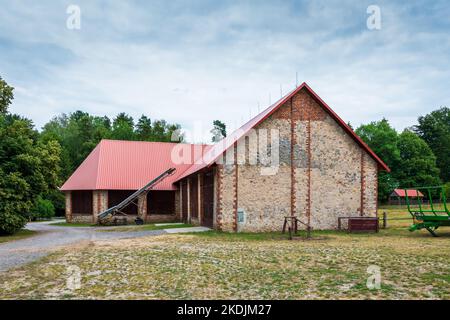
(411, 193)
(220, 147)
(129, 165)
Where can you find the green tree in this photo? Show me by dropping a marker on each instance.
(162, 131)
(219, 131)
(144, 129)
(28, 168)
(174, 133)
(159, 130)
(434, 128)
(6, 96)
(78, 133)
(383, 140)
(418, 163)
(447, 191)
(43, 209)
(123, 127)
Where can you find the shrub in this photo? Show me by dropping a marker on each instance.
(43, 209)
(11, 223)
(447, 191)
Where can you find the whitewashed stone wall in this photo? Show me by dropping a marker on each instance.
(340, 176)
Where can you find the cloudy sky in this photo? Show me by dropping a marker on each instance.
(196, 61)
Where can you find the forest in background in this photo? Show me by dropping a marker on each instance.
(33, 164)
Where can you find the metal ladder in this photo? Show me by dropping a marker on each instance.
(105, 216)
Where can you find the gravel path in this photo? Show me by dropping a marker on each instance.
(49, 238)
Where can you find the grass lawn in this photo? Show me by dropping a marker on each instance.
(214, 265)
(73, 224)
(24, 233)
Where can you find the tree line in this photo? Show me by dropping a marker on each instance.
(34, 164)
(418, 156)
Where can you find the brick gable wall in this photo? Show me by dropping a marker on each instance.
(324, 174)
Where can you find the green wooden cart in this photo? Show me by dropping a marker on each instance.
(427, 213)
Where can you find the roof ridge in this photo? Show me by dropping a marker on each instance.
(164, 142)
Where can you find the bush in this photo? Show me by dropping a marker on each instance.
(59, 201)
(11, 223)
(447, 191)
(43, 209)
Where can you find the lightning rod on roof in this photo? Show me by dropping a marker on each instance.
(281, 90)
(296, 79)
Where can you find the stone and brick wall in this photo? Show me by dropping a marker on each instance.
(324, 174)
(99, 203)
(142, 207)
(178, 204)
(68, 203)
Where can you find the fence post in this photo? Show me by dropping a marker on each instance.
(384, 219)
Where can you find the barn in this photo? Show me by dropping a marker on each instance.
(296, 158)
(398, 196)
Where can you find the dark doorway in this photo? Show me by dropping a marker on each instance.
(208, 199)
(117, 196)
(184, 202)
(82, 202)
(161, 202)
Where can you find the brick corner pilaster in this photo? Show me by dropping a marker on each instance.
(219, 217)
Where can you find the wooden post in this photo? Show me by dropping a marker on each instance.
(189, 200)
(181, 200)
(199, 198)
(68, 206)
(142, 207)
(384, 219)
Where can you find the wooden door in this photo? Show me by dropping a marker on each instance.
(208, 199)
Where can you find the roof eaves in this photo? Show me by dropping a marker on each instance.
(100, 147)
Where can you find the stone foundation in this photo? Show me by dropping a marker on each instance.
(161, 218)
(178, 204)
(81, 218)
